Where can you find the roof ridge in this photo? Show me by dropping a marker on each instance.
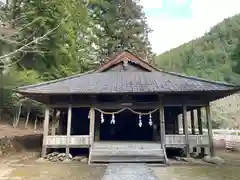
(141, 59)
(55, 80)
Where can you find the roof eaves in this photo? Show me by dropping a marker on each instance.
(127, 92)
(52, 81)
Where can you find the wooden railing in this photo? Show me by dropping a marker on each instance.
(175, 139)
(178, 140)
(72, 141)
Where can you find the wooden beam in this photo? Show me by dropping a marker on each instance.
(120, 105)
(186, 130)
(45, 131)
(69, 121)
(210, 134)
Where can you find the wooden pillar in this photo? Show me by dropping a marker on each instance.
(162, 131)
(200, 127)
(69, 121)
(199, 116)
(210, 134)
(162, 124)
(97, 130)
(53, 126)
(192, 122)
(154, 132)
(183, 123)
(45, 132)
(186, 130)
(91, 131)
(176, 124)
(193, 127)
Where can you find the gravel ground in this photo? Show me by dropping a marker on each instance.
(128, 171)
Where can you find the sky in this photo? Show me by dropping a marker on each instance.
(175, 22)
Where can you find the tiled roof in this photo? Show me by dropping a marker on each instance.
(126, 82)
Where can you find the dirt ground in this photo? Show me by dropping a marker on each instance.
(24, 167)
(227, 171)
(58, 171)
(8, 130)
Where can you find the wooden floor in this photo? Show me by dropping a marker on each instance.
(113, 151)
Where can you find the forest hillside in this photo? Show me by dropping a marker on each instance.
(215, 56)
(45, 40)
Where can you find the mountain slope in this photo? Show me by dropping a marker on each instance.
(212, 56)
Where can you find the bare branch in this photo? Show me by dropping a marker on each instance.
(34, 41)
(19, 30)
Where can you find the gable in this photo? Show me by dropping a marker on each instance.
(126, 57)
(125, 66)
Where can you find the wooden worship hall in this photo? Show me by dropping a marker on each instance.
(128, 111)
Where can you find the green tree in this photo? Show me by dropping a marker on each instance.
(50, 39)
(120, 25)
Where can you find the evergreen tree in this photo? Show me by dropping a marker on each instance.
(120, 25)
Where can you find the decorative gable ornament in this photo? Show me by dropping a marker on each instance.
(125, 62)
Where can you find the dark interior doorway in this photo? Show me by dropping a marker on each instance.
(126, 127)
